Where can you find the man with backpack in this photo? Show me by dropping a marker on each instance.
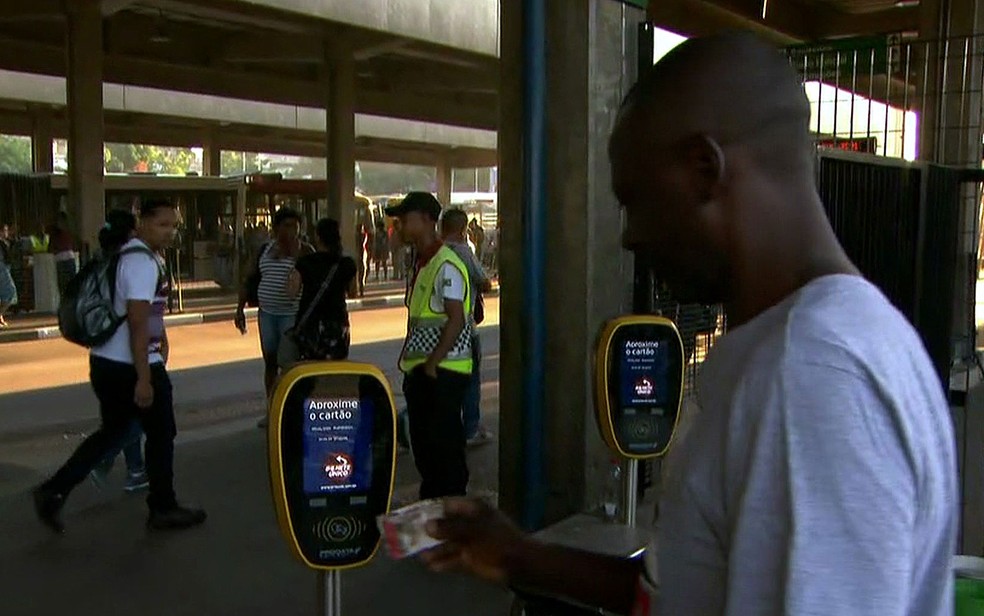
(127, 369)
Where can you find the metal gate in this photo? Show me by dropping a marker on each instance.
(901, 225)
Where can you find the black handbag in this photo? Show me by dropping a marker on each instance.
(319, 340)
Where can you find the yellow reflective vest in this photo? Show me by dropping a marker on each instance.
(424, 326)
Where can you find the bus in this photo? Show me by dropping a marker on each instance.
(221, 219)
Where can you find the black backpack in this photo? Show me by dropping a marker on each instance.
(86, 315)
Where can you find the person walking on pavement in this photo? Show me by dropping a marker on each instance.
(8, 290)
(326, 330)
(130, 379)
(818, 475)
(454, 225)
(437, 357)
(119, 229)
(380, 253)
(268, 281)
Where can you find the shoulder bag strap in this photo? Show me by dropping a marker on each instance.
(317, 298)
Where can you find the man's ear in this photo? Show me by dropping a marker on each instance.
(706, 159)
(706, 156)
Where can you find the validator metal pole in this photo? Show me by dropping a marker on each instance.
(329, 593)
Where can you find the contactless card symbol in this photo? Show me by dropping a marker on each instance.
(644, 386)
(339, 467)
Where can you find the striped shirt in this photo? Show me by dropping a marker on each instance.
(272, 291)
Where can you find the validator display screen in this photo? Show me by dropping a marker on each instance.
(337, 438)
(644, 372)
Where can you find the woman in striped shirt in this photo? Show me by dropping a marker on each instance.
(277, 310)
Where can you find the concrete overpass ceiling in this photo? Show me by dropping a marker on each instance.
(250, 50)
(471, 25)
(789, 21)
(26, 90)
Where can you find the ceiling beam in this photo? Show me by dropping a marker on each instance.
(469, 158)
(112, 7)
(31, 10)
(238, 13)
(124, 127)
(404, 75)
(699, 18)
(378, 49)
(788, 17)
(476, 111)
(273, 49)
(891, 21)
(785, 22)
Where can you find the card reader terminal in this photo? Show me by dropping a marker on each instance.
(639, 384)
(332, 452)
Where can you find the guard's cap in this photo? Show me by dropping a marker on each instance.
(417, 202)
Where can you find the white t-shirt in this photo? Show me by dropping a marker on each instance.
(140, 278)
(818, 475)
(449, 284)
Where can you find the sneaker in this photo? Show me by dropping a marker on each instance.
(176, 518)
(100, 474)
(48, 506)
(136, 482)
(481, 437)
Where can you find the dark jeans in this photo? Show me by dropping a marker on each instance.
(132, 448)
(437, 435)
(471, 411)
(114, 384)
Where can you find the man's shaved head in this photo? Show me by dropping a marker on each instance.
(715, 123)
(730, 87)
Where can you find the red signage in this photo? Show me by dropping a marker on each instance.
(867, 145)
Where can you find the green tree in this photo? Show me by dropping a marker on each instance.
(238, 163)
(15, 154)
(133, 157)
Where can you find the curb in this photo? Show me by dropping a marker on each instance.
(196, 318)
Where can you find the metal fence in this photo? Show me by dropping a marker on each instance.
(700, 325)
(917, 100)
(902, 224)
(902, 98)
(896, 97)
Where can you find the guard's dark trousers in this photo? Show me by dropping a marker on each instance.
(437, 434)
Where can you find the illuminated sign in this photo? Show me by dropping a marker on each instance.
(866, 145)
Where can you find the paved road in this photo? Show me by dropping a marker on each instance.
(43, 386)
(237, 563)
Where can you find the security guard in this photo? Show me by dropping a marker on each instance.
(436, 358)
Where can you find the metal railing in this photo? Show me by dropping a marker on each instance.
(896, 97)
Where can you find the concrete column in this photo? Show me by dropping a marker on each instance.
(341, 143)
(591, 56)
(445, 174)
(85, 119)
(41, 142)
(211, 157)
